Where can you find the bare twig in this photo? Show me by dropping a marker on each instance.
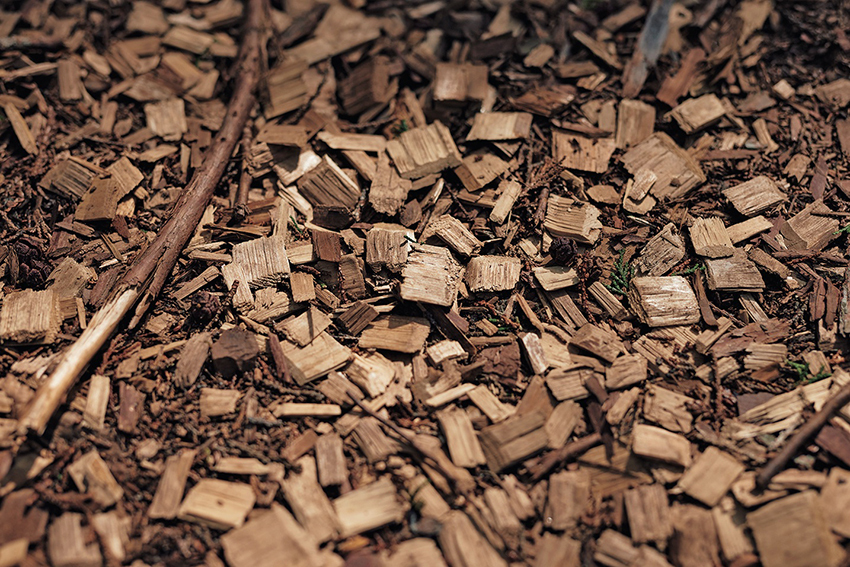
(144, 280)
(565, 453)
(461, 479)
(806, 432)
(240, 205)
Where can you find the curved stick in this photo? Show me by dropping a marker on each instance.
(144, 280)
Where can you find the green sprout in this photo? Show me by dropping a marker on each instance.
(803, 372)
(621, 276)
(295, 223)
(801, 368)
(843, 230)
(402, 126)
(689, 271)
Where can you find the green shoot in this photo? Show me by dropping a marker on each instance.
(801, 368)
(402, 126)
(295, 223)
(805, 374)
(621, 276)
(821, 375)
(843, 230)
(689, 271)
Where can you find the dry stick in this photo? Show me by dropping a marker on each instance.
(22, 42)
(240, 206)
(648, 49)
(462, 480)
(563, 454)
(143, 282)
(807, 431)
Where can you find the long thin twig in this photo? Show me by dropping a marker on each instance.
(460, 478)
(240, 205)
(146, 277)
(563, 454)
(806, 432)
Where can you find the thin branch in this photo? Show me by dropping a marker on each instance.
(806, 432)
(142, 283)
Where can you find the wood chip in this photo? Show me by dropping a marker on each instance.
(218, 504)
(67, 544)
(368, 507)
(676, 171)
(459, 83)
(396, 333)
(500, 126)
(30, 316)
(711, 476)
(511, 441)
(328, 184)
(755, 196)
(462, 442)
(792, 532)
(270, 538)
(663, 301)
(710, 239)
(315, 360)
(309, 503)
(581, 152)
(661, 445)
(649, 514)
(697, 113)
(169, 491)
(423, 151)
(577, 221)
(492, 273)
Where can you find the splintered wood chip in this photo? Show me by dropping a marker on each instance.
(218, 504)
(29, 316)
(422, 151)
(269, 539)
(492, 273)
(754, 196)
(580, 152)
(676, 171)
(500, 126)
(369, 507)
(574, 220)
(664, 301)
(396, 333)
(316, 359)
(810, 229)
(431, 275)
(662, 252)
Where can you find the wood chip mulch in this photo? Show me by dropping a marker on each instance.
(396, 283)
